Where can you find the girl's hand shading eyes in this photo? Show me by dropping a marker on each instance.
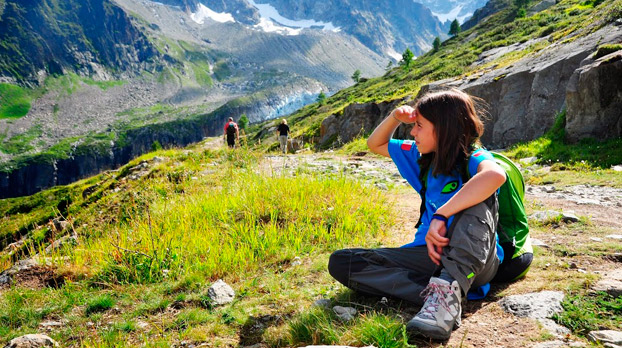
(405, 114)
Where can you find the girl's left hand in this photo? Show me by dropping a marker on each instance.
(435, 240)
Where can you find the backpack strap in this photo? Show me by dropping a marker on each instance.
(423, 178)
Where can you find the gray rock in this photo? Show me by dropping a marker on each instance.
(540, 305)
(559, 344)
(221, 293)
(544, 216)
(5, 278)
(606, 336)
(551, 344)
(525, 98)
(611, 283)
(537, 242)
(541, 6)
(382, 186)
(587, 201)
(60, 225)
(71, 240)
(554, 328)
(569, 217)
(32, 341)
(594, 99)
(24, 265)
(345, 313)
(550, 189)
(323, 302)
(528, 160)
(615, 236)
(617, 168)
(356, 118)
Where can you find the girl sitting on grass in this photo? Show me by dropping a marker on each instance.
(454, 248)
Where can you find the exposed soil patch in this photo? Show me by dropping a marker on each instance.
(38, 277)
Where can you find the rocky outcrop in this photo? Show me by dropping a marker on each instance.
(594, 99)
(355, 120)
(522, 100)
(492, 6)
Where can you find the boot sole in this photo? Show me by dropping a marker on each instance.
(430, 331)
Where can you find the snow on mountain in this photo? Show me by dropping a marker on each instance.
(203, 12)
(272, 21)
(448, 10)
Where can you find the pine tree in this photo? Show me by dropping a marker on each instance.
(436, 44)
(356, 76)
(407, 58)
(454, 29)
(243, 121)
(321, 98)
(521, 7)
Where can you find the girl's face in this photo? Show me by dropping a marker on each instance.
(424, 134)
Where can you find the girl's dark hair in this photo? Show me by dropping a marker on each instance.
(457, 127)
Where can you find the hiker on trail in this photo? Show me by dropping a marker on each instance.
(282, 131)
(454, 248)
(231, 132)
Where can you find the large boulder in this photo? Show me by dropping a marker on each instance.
(594, 99)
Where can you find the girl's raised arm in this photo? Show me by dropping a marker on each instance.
(378, 141)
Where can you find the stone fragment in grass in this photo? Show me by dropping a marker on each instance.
(323, 303)
(528, 160)
(606, 336)
(220, 293)
(32, 341)
(611, 283)
(344, 313)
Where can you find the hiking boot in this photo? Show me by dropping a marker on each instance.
(441, 311)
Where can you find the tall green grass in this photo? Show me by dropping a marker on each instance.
(242, 223)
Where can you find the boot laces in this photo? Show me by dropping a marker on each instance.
(436, 294)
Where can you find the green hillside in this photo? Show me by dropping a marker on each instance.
(566, 20)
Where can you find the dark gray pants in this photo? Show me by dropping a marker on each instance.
(403, 273)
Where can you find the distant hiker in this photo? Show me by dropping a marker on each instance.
(231, 132)
(454, 248)
(282, 131)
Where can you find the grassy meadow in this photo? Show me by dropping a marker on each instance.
(155, 234)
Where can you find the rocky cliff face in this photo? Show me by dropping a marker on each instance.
(93, 37)
(594, 99)
(524, 99)
(42, 172)
(492, 6)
